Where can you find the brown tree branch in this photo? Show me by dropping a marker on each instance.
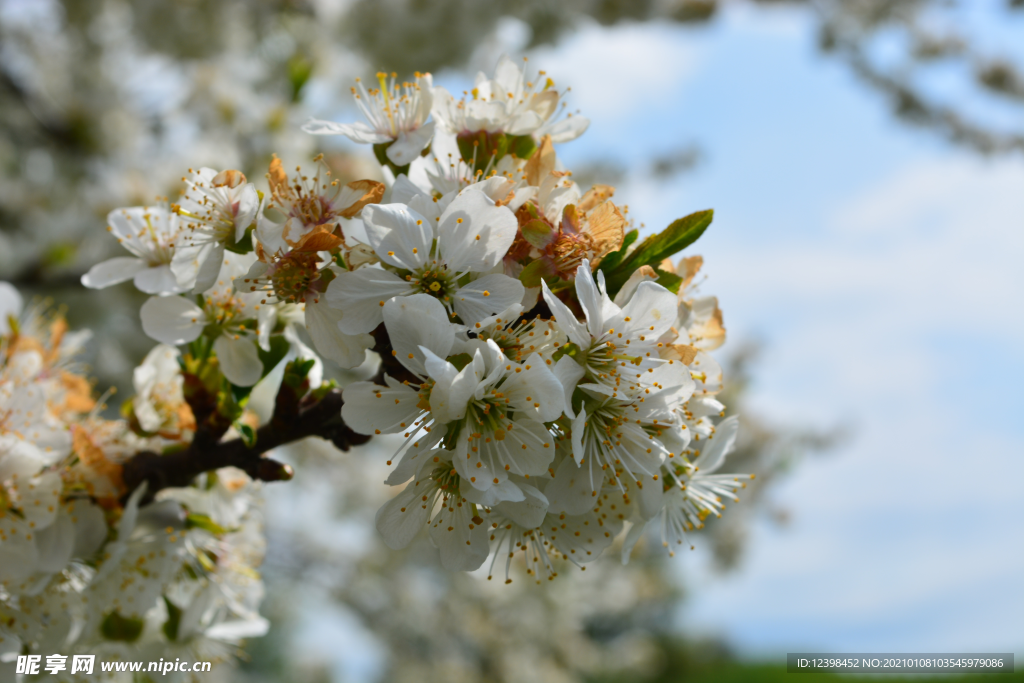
(297, 415)
(318, 418)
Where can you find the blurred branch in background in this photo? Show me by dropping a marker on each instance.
(93, 89)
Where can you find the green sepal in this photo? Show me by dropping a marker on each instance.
(569, 349)
(170, 627)
(197, 520)
(297, 371)
(523, 146)
(483, 146)
(116, 627)
(538, 233)
(244, 245)
(279, 348)
(460, 360)
(535, 272)
(238, 395)
(380, 150)
(324, 389)
(246, 433)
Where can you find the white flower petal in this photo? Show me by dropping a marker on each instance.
(399, 236)
(571, 491)
(527, 513)
(566, 320)
(474, 234)
(590, 299)
(409, 144)
(172, 320)
(112, 271)
(239, 360)
(486, 296)
(565, 130)
(581, 538)
(158, 280)
(361, 294)
(533, 390)
(356, 132)
(11, 305)
(405, 190)
(463, 544)
(652, 310)
(418, 321)
(245, 213)
(55, 544)
(90, 527)
(714, 449)
(452, 389)
(322, 322)
(402, 517)
(370, 408)
(632, 536)
(569, 373)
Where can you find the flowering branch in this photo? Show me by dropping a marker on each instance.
(297, 415)
(548, 370)
(292, 421)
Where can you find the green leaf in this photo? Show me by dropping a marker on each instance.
(197, 520)
(652, 251)
(669, 281)
(116, 627)
(170, 627)
(609, 262)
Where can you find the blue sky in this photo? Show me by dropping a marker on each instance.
(881, 268)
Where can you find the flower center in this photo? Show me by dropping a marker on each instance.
(446, 479)
(312, 210)
(294, 276)
(435, 280)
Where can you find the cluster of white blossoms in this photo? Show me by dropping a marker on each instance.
(549, 375)
(83, 568)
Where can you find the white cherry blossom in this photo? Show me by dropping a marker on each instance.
(452, 261)
(397, 116)
(508, 103)
(434, 498)
(217, 209)
(150, 234)
(229, 314)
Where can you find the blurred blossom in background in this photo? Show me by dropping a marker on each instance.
(866, 163)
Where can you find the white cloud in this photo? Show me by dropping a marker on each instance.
(622, 71)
